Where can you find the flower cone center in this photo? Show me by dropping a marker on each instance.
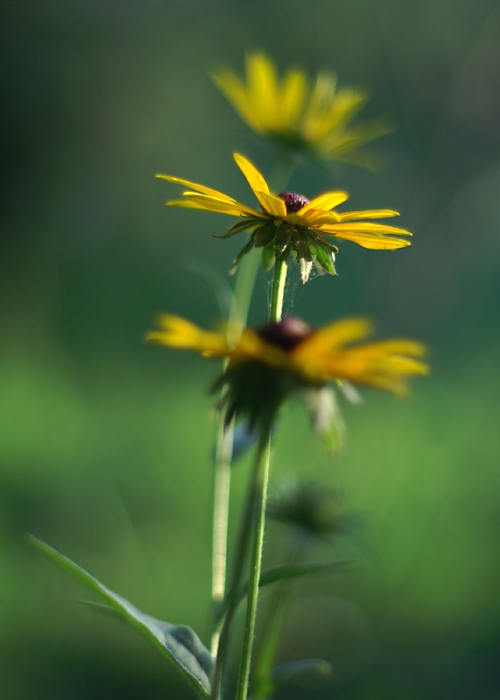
(285, 334)
(293, 202)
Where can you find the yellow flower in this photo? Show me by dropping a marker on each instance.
(311, 357)
(306, 118)
(289, 221)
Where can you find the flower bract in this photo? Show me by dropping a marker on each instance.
(265, 365)
(289, 222)
(312, 118)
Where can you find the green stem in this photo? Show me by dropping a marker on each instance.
(278, 288)
(275, 312)
(273, 627)
(238, 566)
(255, 567)
(224, 452)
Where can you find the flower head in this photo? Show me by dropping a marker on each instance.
(314, 119)
(266, 364)
(290, 222)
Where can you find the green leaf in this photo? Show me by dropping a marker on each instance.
(287, 571)
(238, 228)
(302, 667)
(246, 249)
(179, 643)
(278, 573)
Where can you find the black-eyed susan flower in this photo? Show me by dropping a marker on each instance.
(312, 119)
(290, 222)
(267, 364)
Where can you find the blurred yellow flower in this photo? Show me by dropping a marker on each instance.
(313, 357)
(314, 118)
(289, 221)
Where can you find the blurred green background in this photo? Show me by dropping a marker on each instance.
(105, 442)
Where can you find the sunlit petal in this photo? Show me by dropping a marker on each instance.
(196, 186)
(254, 178)
(325, 201)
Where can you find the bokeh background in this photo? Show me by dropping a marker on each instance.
(105, 443)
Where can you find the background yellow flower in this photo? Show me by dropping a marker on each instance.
(303, 115)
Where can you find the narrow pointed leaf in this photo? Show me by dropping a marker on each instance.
(244, 251)
(179, 643)
(238, 228)
(293, 669)
(287, 571)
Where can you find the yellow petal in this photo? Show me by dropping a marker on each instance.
(254, 178)
(333, 336)
(366, 227)
(315, 217)
(178, 333)
(234, 90)
(263, 88)
(370, 240)
(367, 214)
(196, 186)
(325, 201)
(271, 204)
(292, 99)
(213, 204)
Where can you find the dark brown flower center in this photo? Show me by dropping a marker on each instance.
(285, 334)
(293, 202)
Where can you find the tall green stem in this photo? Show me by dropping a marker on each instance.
(242, 543)
(243, 291)
(277, 295)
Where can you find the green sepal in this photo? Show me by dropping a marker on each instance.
(239, 227)
(300, 243)
(268, 257)
(177, 642)
(324, 257)
(282, 239)
(244, 251)
(264, 235)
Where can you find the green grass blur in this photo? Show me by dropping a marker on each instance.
(105, 443)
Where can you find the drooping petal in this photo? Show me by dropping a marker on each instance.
(366, 227)
(370, 240)
(325, 201)
(254, 178)
(367, 214)
(195, 186)
(213, 204)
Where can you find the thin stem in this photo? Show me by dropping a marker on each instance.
(239, 561)
(255, 567)
(278, 288)
(280, 599)
(243, 291)
(224, 450)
